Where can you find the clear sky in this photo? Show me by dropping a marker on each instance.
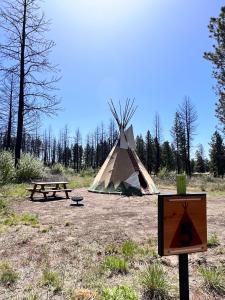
(148, 49)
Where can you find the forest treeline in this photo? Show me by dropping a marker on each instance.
(79, 153)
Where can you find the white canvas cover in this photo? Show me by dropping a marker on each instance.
(133, 180)
(123, 142)
(123, 172)
(130, 137)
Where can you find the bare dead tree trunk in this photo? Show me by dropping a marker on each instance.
(21, 90)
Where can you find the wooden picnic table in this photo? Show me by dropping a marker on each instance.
(46, 187)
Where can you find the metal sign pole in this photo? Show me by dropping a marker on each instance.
(183, 258)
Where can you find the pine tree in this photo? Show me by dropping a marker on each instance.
(149, 152)
(168, 159)
(217, 155)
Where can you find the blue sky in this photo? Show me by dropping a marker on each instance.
(150, 50)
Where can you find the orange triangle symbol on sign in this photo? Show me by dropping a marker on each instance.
(186, 234)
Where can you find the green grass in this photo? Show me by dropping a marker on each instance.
(7, 274)
(121, 292)
(112, 249)
(24, 219)
(213, 279)
(115, 264)
(213, 241)
(154, 282)
(80, 181)
(51, 279)
(14, 190)
(32, 296)
(4, 209)
(129, 249)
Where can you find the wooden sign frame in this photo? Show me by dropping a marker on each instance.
(182, 223)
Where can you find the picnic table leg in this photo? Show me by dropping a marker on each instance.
(44, 194)
(67, 195)
(56, 187)
(32, 192)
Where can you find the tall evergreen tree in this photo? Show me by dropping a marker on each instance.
(217, 57)
(168, 159)
(200, 166)
(149, 152)
(217, 155)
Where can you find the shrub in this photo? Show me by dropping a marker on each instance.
(51, 278)
(121, 292)
(28, 168)
(213, 241)
(57, 169)
(154, 282)
(29, 219)
(115, 265)
(129, 248)
(214, 279)
(87, 172)
(163, 173)
(7, 170)
(7, 274)
(3, 207)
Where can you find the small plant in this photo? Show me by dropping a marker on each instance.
(32, 296)
(214, 279)
(29, 219)
(3, 207)
(51, 279)
(29, 167)
(129, 248)
(121, 292)
(7, 274)
(115, 265)
(154, 282)
(83, 294)
(213, 241)
(57, 169)
(25, 219)
(112, 249)
(7, 170)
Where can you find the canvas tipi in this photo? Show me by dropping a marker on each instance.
(122, 171)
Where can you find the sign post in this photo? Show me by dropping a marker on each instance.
(182, 228)
(183, 258)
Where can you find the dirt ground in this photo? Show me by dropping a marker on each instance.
(72, 239)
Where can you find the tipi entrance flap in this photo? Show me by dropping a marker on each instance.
(133, 180)
(123, 167)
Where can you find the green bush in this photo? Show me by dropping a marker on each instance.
(129, 248)
(154, 282)
(3, 207)
(7, 274)
(115, 265)
(87, 172)
(7, 170)
(29, 167)
(214, 279)
(213, 240)
(57, 169)
(121, 292)
(51, 278)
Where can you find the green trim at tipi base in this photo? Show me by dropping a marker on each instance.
(123, 189)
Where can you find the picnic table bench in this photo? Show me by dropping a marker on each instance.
(46, 187)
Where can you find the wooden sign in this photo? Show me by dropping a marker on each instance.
(182, 225)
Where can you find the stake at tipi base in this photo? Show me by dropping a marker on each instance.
(122, 171)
